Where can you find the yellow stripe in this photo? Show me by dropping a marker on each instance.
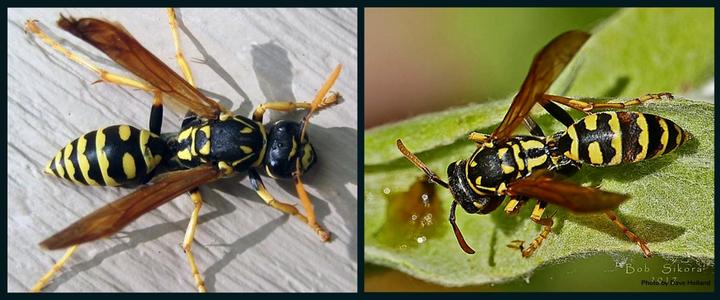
(69, 166)
(184, 154)
(307, 156)
(678, 139)
(590, 122)
(292, 150)
(516, 151)
(616, 142)
(205, 149)
(225, 168)
(532, 163)
(501, 153)
(83, 161)
(129, 165)
(184, 134)
(239, 119)
(237, 162)
(248, 150)
(643, 139)
(665, 136)
(58, 167)
(574, 152)
(532, 144)
(535, 162)
(501, 188)
(476, 185)
(124, 132)
(146, 153)
(246, 130)
(206, 129)
(596, 155)
(48, 169)
(192, 142)
(473, 163)
(103, 162)
(259, 161)
(507, 169)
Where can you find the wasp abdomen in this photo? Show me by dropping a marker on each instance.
(612, 138)
(114, 155)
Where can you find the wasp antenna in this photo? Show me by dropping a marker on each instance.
(421, 165)
(319, 99)
(458, 234)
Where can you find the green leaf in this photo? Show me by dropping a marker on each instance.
(672, 196)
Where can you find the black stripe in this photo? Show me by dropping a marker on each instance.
(91, 153)
(62, 163)
(52, 166)
(115, 149)
(73, 160)
(672, 136)
(654, 134)
(630, 135)
(602, 134)
(113, 154)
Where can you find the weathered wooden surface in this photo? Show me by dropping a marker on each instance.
(249, 56)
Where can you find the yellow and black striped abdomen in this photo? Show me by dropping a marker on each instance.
(612, 138)
(114, 155)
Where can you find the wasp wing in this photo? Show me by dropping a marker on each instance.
(111, 218)
(553, 189)
(545, 68)
(120, 46)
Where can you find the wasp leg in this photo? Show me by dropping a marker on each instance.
(190, 235)
(533, 127)
(42, 282)
(105, 76)
(178, 51)
(156, 113)
(330, 99)
(633, 237)
(478, 138)
(587, 107)
(259, 187)
(514, 205)
(547, 224)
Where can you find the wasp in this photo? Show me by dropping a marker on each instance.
(213, 143)
(525, 167)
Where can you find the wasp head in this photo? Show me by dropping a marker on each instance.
(285, 147)
(469, 200)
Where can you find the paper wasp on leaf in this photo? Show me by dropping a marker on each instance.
(213, 143)
(524, 167)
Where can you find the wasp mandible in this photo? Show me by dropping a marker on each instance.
(524, 167)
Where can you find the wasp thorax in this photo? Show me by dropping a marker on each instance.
(284, 148)
(468, 199)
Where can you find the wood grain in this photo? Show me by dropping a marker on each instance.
(248, 56)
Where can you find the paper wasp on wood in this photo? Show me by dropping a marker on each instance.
(212, 144)
(524, 167)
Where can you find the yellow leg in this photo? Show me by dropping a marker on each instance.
(259, 187)
(330, 99)
(478, 138)
(547, 228)
(178, 51)
(105, 76)
(189, 236)
(590, 106)
(633, 237)
(55, 268)
(513, 206)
